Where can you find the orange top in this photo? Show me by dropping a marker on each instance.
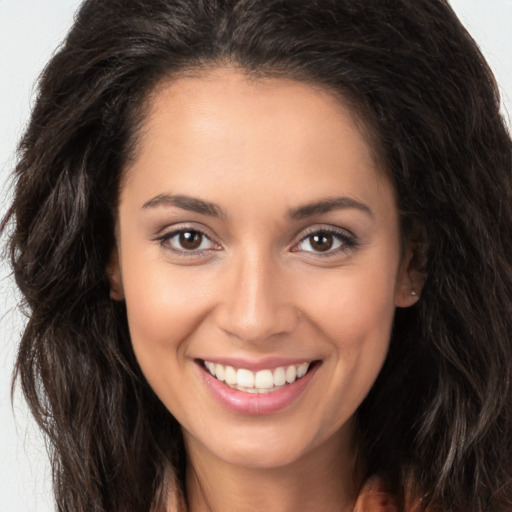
(372, 498)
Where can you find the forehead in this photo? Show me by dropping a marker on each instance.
(222, 127)
(199, 97)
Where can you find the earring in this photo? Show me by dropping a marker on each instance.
(413, 293)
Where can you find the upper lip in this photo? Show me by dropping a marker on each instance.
(258, 364)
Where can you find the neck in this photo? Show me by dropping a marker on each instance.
(322, 480)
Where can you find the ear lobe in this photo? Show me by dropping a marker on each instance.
(114, 276)
(410, 282)
(406, 295)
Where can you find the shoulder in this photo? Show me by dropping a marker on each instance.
(375, 498)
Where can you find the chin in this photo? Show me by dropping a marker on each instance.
(261, 455)
(268, 446)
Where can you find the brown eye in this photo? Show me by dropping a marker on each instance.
(326, 243)
(183, 241)
(190, 240)
(321, 242)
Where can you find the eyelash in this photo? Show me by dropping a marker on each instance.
(347, 241)
(166, 240)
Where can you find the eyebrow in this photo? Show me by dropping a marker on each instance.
(194, 204)
(191, 204)
(328, 205)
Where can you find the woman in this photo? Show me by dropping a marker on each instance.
(265, 248)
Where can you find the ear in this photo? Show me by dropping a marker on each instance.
(411, 277)
(114, 276)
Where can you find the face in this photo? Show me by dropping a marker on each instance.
(260, 260)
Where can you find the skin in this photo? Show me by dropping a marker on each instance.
(259, 150)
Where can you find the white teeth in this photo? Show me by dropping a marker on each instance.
(291, 374)
(219, 372)
(262, 381)
(302, 369)
(279, 376)
(210, 366)
(245, 378)
(230, 375)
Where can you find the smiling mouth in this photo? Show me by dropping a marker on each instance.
(262, 381)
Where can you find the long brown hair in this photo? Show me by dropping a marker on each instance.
(437, 424)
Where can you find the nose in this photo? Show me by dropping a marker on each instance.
(256, 304)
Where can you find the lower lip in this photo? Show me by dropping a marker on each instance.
(257, 403)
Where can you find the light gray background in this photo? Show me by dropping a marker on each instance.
(30, 30)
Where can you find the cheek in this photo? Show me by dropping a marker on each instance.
(355, 307)
(164, 308)
(164, 304)
(154, 309)
(358, 326)
(354, 313)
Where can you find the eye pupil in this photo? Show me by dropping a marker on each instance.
(322, 242)
(190, 239)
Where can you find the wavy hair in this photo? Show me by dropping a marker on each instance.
(437, 424)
